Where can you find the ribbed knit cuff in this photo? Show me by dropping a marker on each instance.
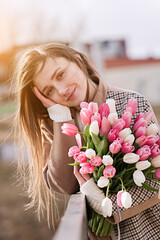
(94, 195)
(59, 113)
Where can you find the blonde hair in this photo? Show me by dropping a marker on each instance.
(28, 119)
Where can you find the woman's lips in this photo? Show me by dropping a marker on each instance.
(70, 96)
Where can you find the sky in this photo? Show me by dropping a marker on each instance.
(28, 21)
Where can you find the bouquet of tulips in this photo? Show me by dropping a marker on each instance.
(117, 152)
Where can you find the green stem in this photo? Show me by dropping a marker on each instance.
(130, 169)
(123, 187)
(81, 133)
(83, 147)
(110, 182)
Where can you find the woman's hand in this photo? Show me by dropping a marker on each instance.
(45, 101)
(81, 178)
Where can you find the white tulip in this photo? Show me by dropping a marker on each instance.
(125, 133)
(156, 161)
(112, 105)
(107, 207)
(94, 128)
(112, 118)
(129, 139)
(126, 199)
(142, 165)
(90, 153)
(139, 178)
(107, 160)
(103, 182)
(130, 158)
(152, 129)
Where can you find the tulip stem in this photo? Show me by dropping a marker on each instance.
(107, 193)
(83, 147)
(130, 169)
(123, 187)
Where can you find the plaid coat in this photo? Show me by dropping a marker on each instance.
(141, 221)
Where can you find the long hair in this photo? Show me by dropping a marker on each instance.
(27, 123)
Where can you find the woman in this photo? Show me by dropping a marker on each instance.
(52, 81)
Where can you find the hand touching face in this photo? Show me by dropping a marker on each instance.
(60, 81)
(45, 101)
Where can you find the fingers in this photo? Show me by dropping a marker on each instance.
(81, 178)
(39, 95)
(45, 101)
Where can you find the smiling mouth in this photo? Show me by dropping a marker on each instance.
(70, 96)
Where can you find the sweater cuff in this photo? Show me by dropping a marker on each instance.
(94, 195)
(59, 113)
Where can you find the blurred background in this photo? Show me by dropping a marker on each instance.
(120, 37)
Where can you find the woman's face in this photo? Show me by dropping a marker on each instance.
(61, 81)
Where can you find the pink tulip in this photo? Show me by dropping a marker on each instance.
(148, 116)
(86, 168)
(80, 157)
(73, 150)
(120, 140)
(104, 110)
(85, 116)
(155, 151)
(96, 161)
(128, 109)
(140, 123)
(140, 115)
(69, 129)
(84, 105)
(151, 139)
(78, 140)
(140, 132)
(112, 135)
(119, 124)
(119, 195)
(158, 142)
(144, 152)
(105, 126)
(132, 102)
(96, 117)
(157, 173)
(93, 107)
(115, 146)
(109, 171)
(127, 117)
(141, 141)
(127, 148)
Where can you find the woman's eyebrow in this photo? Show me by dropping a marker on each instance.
(52, 77)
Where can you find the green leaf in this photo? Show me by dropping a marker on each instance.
(86, 131)
(73, 164)
(146, 186)
(95, 139)
(90, 143)
(100, 171)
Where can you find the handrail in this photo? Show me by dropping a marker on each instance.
(73, 225)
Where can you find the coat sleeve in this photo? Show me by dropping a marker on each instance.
(57, 173)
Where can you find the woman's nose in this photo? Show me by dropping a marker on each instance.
(63, 91)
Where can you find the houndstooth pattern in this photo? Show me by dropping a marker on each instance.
(146, 225)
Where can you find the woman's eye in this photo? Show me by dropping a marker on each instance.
(49, 91)
(60, 75)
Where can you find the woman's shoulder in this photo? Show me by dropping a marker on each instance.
(121, 96)
(117, 92)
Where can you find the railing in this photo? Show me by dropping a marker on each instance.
(73, 224)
